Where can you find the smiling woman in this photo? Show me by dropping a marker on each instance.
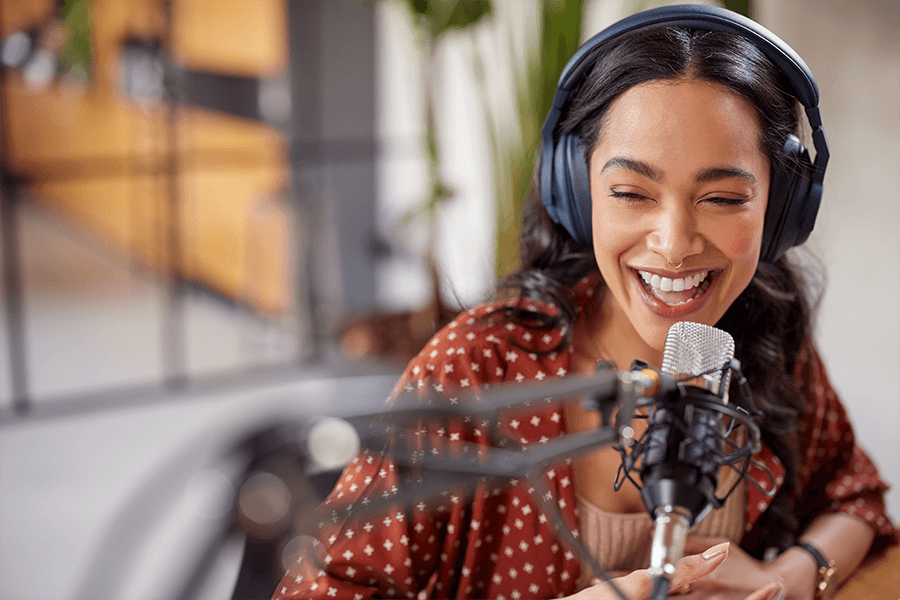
(670, 185)
(677, 177)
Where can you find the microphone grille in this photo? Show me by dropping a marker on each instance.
(693, 348)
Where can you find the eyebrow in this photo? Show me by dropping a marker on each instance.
(638, 166)
(719, 173)
(649, 171)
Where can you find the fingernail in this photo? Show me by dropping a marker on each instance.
(776, 593)
(716, 550)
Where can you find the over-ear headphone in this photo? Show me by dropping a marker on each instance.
(794, 193)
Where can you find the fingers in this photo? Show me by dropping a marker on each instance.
(639, 584)
(694, 566)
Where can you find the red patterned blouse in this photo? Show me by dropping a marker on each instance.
(495, 541)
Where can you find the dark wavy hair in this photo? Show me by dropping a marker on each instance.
(771, 320)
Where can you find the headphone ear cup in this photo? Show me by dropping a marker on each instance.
(791, 210)
(572, 189)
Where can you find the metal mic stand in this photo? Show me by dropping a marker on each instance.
(265, 478)
(688, 440)
(603, 391)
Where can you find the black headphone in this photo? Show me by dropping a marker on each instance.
(794, 194)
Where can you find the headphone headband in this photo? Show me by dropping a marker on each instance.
(565, 188)
(706, 18)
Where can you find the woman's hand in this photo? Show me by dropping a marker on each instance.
(739, 573)
(692, 568)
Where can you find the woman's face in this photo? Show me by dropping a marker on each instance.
(679, 187)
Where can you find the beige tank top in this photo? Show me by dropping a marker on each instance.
(621, 541)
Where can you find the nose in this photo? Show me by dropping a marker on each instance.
(674, 235)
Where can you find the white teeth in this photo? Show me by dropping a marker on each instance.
(666, 284)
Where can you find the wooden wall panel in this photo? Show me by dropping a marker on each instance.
(101, 159)
(231, 36)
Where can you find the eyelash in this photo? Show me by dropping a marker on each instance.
(728, 201)
(631, 197)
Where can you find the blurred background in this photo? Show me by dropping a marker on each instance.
(223, 214)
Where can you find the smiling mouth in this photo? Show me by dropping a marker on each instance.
(675, 291)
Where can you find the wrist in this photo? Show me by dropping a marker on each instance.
(799, 571)
(827, 582)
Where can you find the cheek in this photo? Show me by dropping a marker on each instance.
(612, 238)
(740, 239)
(613, 229)
(743, 244)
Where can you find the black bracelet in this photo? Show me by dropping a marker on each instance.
(819, 558)
(826, 584)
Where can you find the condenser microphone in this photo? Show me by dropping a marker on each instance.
(681, 459)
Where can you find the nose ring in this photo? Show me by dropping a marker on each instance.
(678, 266)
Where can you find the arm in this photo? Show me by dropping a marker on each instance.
(839, 503)
(457, 543)
(841, 494)
(359, 554)
(829, 533)
(840, 537)
(840, 488)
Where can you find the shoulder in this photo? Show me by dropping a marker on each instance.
(492, 325)
(484, 345)
(506, 324)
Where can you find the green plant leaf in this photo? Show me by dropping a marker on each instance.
(742, 7)
(467, 13)
(440, 16)
(559, 38)
(78, 48)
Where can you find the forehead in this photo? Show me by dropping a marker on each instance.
(684, 118)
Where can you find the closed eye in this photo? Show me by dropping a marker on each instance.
(628, 196)
(726, 201)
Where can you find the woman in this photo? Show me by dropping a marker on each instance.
(682, 135)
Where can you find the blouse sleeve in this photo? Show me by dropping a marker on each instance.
(397, 553)
(835, 473)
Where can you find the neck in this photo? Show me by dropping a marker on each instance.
(609, 335)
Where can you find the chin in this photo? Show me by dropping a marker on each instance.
(656, 337)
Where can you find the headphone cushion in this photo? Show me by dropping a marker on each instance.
(572, 188)
(787, 223)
